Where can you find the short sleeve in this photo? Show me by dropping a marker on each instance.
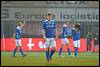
(43, 25)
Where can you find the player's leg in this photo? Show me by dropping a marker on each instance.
(76, 51)
(47, 54)
(47, 49)
(53, 45)
(21, 51)
(63, 43)
(68, 49)
(93, 48)
(76, 48)
(87, 46)
(60, 50)
(19, 45)
(90, 47)
(52, 52)
(14, 52)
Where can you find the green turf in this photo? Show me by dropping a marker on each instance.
(38, 59)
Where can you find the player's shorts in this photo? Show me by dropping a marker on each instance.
(77, 43)
(50, 42)
(18, 42)
(65, 41)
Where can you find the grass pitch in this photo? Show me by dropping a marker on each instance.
(39, 59)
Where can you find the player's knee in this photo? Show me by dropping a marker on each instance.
(47, 49)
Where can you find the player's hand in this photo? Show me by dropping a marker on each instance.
(44, 38)
(24, 23)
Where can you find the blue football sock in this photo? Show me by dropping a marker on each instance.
(21, 51)
(51, 53)
(76, 51)
(14, 52)
(60, 51)
(69, 52)
(47, 55)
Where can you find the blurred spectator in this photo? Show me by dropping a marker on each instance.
(88, 41)
(96, 42)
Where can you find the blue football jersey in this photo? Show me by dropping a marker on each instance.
(18, 33)
(64, 32)
(76, 35)
(69, 31)
(49, 28)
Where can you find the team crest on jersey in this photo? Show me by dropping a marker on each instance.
(52, 23)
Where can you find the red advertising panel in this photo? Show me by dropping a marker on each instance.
(37, 44)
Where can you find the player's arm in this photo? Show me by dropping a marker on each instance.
(78, 25)
(23, 23)
(43, 30)
(56, 32)
(43, 33)
(73, 30)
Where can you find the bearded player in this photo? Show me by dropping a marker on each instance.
(49, 32)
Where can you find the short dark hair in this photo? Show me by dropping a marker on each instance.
(78, 27)
(49, 14)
